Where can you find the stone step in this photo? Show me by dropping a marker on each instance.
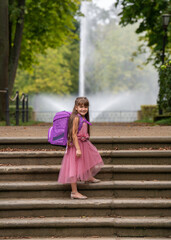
(86, 226)
(52, 207)
(108, 172)
(116, 189)
(92, 238)
(99, 142)
(130, 157)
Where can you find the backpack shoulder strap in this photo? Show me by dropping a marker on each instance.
(82, 120)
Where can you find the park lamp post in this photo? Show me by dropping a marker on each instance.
(166, 19)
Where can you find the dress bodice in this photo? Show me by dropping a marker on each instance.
(83, 131)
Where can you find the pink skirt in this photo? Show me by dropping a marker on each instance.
(75, 168)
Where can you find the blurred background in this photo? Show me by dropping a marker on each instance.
(100, 49)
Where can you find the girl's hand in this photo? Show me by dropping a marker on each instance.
(78, 153)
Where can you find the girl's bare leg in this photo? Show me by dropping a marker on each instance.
(92, 179)
(74, 187)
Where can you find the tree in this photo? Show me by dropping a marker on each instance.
(73, 57)
(164, 97)
(16, 24)
(148, 15)
(57, 71)
(47, 24)
(3, 53)
(51, 75)
(35, 26)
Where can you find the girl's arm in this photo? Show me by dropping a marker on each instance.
(74, 136)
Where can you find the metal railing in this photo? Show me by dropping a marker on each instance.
(24, 109)
(95, 116)
(113, 116)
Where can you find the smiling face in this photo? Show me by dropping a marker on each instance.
(82, 109)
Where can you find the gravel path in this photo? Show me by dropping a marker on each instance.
(98, 129)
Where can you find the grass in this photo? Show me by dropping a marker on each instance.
(164, 122)
(2, 123)
(159, 122)
(145, 121)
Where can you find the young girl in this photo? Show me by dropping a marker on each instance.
(81, 161)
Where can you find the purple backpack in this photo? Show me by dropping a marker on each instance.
(57, 134)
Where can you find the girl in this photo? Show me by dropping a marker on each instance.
(81, 161)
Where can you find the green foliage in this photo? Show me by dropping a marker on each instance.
(164, 121)
(149, 111)
(52, 74)
(13, 123)
(12, 111)
(47, 24)
(148, 121)
(148, 15)
(72, 58)
(164, 98)
(2, 123)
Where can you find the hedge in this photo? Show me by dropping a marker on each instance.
(148, 112)
(164, 97)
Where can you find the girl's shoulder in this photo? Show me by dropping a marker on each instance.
(76, 119)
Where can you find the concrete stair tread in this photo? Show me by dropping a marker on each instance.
(42, 209)
(54, 185)
(100, 139)
(91, 238)
(129, 222)
(112, 153)
(24, 203)
(106, 168)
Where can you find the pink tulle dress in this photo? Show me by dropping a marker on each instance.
(75, 168)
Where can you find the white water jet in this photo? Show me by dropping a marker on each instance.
(103, 106)
(146, 88)
(83, 35)
(106, 104)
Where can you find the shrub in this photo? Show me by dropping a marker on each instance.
(148, 112)
(164, 97)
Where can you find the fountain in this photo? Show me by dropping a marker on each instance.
(83, 36)
(112, 82)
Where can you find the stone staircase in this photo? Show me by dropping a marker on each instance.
(133, 200)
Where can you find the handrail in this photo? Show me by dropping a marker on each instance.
(24, 100)
(13, 99)
(3, 91)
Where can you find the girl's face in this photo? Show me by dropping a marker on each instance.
(82, 110)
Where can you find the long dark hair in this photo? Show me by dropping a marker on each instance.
(79, 101)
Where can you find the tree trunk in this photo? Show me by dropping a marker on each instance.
(15, 49)
(4, 54)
